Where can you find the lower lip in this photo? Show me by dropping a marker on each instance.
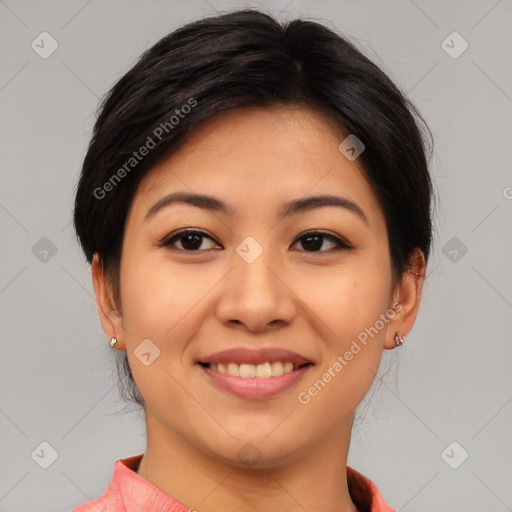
(254, 388)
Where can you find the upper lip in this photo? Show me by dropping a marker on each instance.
(255, 356)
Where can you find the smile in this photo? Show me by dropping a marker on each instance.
(261, 371)
(245, 382)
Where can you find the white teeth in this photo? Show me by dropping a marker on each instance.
(277, 369)
(261, 371)
(233, 369)
(287, 367)
(246, 370)
(264, 371)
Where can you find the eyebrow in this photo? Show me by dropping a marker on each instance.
(288, 209)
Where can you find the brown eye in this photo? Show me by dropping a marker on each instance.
(314, 240)
(190, 240)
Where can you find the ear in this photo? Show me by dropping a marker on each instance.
(406, 298)
(110, 317)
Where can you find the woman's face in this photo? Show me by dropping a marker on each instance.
(256, 279)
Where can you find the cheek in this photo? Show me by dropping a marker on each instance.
(353, 311)
(153, 297)
(347, 299)
(353, 348)
(155, 304)
(163, 303)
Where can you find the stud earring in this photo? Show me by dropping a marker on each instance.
(399, 339)
(113, 341)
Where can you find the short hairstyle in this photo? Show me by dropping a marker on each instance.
(246, 59)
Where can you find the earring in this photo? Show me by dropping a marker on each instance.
(113, 341)
(399, 339)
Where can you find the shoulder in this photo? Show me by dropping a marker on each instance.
(94, 505)
(111, 500)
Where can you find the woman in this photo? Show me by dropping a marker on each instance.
(255, 204)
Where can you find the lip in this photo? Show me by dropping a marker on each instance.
(254, 356)
(255, 388)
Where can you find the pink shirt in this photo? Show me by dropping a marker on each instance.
(129, 492)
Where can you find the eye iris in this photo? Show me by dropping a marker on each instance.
(317, 244)
(190, 242)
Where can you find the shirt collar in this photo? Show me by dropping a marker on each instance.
(132, 492)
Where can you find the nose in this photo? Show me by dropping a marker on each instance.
(255, 296)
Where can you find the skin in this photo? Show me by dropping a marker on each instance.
(314, 301)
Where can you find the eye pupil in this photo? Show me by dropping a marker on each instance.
(314, 245)
(188, 245)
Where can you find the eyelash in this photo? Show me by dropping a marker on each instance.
(340, 244)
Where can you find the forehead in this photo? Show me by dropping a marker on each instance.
(261, 156)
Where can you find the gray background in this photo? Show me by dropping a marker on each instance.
(451, 381)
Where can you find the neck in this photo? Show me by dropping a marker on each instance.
(315, 480)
